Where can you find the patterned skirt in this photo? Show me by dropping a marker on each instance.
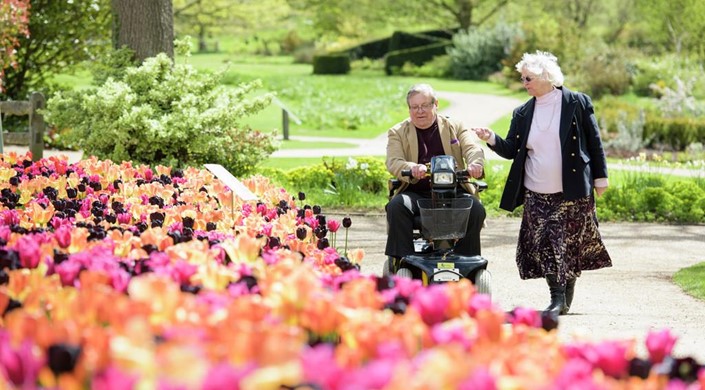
(559, 237)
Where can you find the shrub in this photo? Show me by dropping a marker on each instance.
(331, 64)
(604, 71)
(167, 114)
(662, 72)
(477, 53)
(396, 59)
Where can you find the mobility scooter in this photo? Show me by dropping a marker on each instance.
(443, 220)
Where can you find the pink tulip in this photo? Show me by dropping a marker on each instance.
(525, 316)
(63, 236)
(10, 217)
(18, 365)
(225, 376)
(29, 251)
(480, 302)
(575, 374)
(68, 271)
(333, 225)
(481, 379)
(113, 379)
(431, 303)
(319, 366)
(660, 344)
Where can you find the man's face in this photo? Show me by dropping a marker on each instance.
(422, 110)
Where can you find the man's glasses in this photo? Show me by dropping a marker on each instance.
(528, 79)
(423, 107)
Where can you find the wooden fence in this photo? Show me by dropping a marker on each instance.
(34, 138)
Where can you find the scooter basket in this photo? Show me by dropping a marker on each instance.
(444, 219)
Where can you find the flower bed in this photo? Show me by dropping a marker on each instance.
(120, 276)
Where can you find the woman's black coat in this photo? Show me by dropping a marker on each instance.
(581, 148)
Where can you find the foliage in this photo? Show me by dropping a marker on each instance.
(265, 22)
(438, 67)
(679, 101)
(674, 26)
(629, 135)
(165, 113)
(331, 64)
(476, 53)
(652, 74)
(647, 193)
(604, 70)
(63, 34)
(14, 17)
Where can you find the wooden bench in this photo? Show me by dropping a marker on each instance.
(34, 138)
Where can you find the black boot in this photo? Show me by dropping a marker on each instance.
(569, 290)
(558, 304)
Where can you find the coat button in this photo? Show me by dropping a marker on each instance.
(573, 170)
(574, 137)
(573, 123)
(518, 150)
(572, 155)
(517, 136)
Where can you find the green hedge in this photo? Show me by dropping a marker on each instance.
(676, 133)
(417, 56)
(331, 64)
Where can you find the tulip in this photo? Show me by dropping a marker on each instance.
(659, 344)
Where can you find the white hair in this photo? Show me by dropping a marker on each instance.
(542, 64)
(424, 89)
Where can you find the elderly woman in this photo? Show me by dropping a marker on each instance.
(558, 163)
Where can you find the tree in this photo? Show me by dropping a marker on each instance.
(14, 17)
(201, 18)
(675, 25)
(63, 34)
(463, 11)
(146, 27)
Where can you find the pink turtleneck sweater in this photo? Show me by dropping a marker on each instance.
(544, 167)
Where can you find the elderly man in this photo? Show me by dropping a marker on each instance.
(410, 146)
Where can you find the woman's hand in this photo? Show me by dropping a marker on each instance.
(483, 133)
(600, 190)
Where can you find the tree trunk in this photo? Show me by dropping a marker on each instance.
(145, 26)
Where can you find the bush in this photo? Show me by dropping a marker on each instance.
(478, 53)
(331, 64)
(663, 72)
(604, 71)
(438, 67)
(395, 60)
(167, 114)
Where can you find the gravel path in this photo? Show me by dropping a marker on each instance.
(618, 303)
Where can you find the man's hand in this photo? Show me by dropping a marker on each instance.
(475, 170)
(418, 171)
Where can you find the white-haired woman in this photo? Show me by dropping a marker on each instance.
(558, 163)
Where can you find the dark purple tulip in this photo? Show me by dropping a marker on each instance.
(302, 196)
(347, 222)
(320, 231)
(62, 357)
(316, 209)
(549, 320)
(301, 233)
(323, 244)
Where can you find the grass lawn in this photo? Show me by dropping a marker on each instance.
(692, 280)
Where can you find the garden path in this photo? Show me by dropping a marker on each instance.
(475, 110)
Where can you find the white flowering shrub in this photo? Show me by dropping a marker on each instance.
(165, 113)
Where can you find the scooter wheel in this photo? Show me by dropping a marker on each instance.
(387, 267)
(483, 282)
(405, 273)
